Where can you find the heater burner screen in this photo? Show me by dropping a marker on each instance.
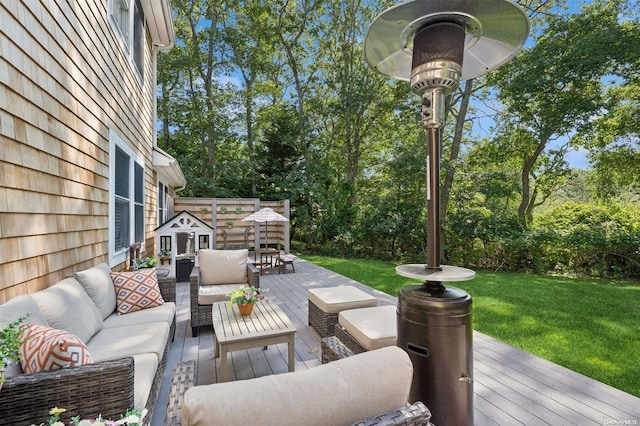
(438, 42)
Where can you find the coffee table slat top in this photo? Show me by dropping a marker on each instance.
(267, 319)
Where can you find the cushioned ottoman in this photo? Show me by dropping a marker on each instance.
(367, 329)
(326, 303)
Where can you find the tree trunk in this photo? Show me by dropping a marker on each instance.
(445, 190)
(526, 181)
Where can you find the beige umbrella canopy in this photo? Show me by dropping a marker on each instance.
(265, 215)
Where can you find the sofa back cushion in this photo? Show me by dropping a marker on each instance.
(223, 266)
(96, 281)
(350, 389)
(66, 306)
(19, 307)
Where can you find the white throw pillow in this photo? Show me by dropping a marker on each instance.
(223, 266)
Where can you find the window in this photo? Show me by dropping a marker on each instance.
(120, 13)
(163, 200)
(128, 19)
(203, 241)
(138, 38)
(126, 199)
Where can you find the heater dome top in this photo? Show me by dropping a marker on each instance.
(495, 31)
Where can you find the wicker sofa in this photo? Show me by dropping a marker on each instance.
(218, 273)
(129, 352)
(373, 385)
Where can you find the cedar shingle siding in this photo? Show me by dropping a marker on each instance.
(65, 81)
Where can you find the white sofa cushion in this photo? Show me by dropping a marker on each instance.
(120, 342)
(145, 366)
(18, 307)
(373, 328)
(338, 393)
(66, 306)
(96, 281)
(210, 294)
(223, 266)
(163, 313)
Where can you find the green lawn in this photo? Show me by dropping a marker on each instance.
(590, 326)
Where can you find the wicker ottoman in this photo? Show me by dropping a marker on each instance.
(326, 303)
(366, 329)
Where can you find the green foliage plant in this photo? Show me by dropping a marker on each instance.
(10, 341)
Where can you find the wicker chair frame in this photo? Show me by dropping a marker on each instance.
(416, 414)
(202, 314)
(333, 349)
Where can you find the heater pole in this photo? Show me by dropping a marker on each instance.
(433, 200)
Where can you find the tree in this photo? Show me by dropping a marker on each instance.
(550, 91)
(253, 53)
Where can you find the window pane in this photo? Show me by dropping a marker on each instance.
(204, 242)
(139, 203)
(120, 15)
(122, 174)
(121, 223)
(139, 221)
(165, 242)
(138, 38)
(139, 184)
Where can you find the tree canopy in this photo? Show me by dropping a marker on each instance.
(274, 100)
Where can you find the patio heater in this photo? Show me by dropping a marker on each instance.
(434, 44)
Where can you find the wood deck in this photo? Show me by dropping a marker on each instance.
(512, 387)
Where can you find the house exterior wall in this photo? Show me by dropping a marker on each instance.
(65, 85)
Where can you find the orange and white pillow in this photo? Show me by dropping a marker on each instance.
(136, 290)
(44, 348)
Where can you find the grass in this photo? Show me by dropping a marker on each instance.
(590, 326)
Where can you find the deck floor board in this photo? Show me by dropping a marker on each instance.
(512, 387)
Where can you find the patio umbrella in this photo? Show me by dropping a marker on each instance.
(265, 215)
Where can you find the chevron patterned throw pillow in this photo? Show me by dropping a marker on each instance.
(44, 348)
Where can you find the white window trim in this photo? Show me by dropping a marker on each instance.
(115, 141)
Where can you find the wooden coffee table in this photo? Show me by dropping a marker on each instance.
(267, 325)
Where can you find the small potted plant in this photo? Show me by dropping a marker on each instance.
(10, 340)
(245, 298)
(147, 262)
(164, 256)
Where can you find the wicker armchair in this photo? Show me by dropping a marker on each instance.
(201, 313)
